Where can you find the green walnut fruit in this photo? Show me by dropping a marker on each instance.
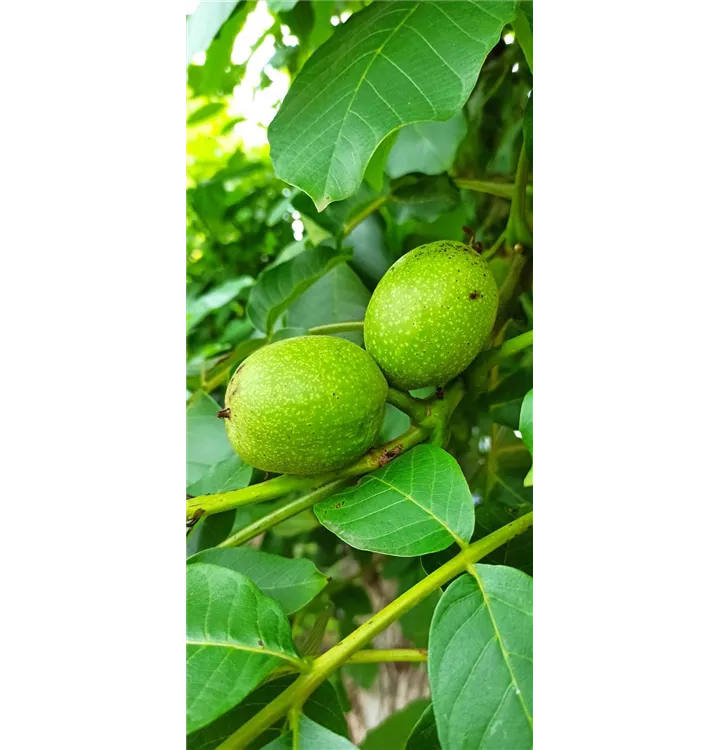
(430, 314)
(305, 405)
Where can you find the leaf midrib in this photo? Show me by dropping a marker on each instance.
(356, 91)
(504, 653)
(456, 538)
(240, 647)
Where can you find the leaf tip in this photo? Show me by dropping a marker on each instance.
(322, 203)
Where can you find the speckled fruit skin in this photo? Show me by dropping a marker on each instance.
(430, 314)
(305, 405)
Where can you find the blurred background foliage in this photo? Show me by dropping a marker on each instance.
(247, 230)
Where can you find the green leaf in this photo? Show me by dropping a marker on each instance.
(506, 413)
(218, 76)
(310, 642)
(508, 488)
(205, 112)
(209, 531)
(524, 32)
(394, 731)
(228, 474)
(416, 504)
(212, 464)
(374, 173)
(526, 427)
(235, 637)
(278, 287)
(529, 127)
(311, 736)
(390, 65)
(322, 706)
(427, 147)
(290, 332)
(481, 661)
(416, 623)
(364, 675)
(323, 29)
(299, 524)
(339, 214)
(226, 366)
(339, 296)
(350, 603)
(287, 253)
(292, 583)
(199, 307)
(424, 198)
(424, 735)
(204, 23)
(371, 258)
(395, 423)
(527, 8)
(513, 386)
(276, 6)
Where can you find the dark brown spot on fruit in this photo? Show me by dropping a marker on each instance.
(224, 413)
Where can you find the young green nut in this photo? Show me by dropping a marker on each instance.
(430, 314)
(305, 405)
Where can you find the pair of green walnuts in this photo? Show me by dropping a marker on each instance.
(315, 403)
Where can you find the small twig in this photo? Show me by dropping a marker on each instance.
(329, 328)
(495, 247)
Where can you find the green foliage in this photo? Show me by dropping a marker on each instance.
(403, 122)
(394, 731)
(366, 81)
(424, 735)
(279, 286)
(481, 644)
(322, 707)
(526, 425)
(212, 465)
(235, 637)
(292, 583)
(338, 296)
(310, 736)
(430, 502)
(428, 147)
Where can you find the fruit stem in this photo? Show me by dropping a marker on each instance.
(329, 328)
(414, 408)
(326, 664)
(443, 408)
(286, 483)
(495, 247)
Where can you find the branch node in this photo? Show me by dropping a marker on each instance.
(387, 456)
